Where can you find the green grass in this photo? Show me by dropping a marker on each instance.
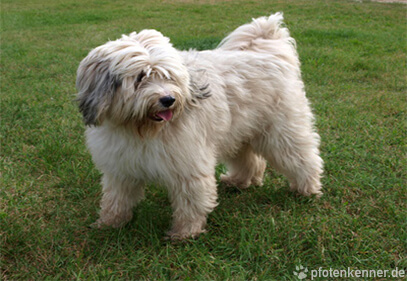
(353, 58)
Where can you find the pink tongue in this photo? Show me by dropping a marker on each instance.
(165, 115)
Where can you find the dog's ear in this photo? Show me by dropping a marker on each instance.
(96, 87)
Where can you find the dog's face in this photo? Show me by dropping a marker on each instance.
(138, 80)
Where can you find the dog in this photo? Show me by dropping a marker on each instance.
(158, 115)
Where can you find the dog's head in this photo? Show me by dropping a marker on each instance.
(137, 80)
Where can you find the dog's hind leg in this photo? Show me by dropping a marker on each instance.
(293, 151)
(119, 198)
(192, 200)
(245, 169)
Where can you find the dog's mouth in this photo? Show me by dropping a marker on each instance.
(165, 115)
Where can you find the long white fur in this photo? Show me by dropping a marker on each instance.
(256, 110)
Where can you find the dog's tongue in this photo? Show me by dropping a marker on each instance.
(165, 115)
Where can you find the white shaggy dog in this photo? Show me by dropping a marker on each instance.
(155, 114)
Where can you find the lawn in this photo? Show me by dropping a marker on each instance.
(353, 56)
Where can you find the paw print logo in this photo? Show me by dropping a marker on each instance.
(301, 272)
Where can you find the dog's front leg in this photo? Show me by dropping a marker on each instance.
(192, 200)
(120, 195)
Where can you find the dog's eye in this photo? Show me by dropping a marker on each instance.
(140, 77)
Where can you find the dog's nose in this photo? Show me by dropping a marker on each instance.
(167, 101)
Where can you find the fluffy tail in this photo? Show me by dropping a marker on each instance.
(264, 35)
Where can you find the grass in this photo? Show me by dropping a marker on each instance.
(353, 60)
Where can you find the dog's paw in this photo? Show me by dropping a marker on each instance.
(96, 225)
(234, 182)
(181, 236)
(257, 181)
(239, 183)
(307, 190)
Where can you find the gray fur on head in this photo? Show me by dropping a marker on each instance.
(96, 87)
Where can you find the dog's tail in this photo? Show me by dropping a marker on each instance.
(264, 35)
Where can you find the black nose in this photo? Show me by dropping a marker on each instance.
(167, 101)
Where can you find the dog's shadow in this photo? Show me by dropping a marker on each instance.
(152, 217)
(270, 200)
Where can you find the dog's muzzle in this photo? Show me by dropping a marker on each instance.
(167, 114)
